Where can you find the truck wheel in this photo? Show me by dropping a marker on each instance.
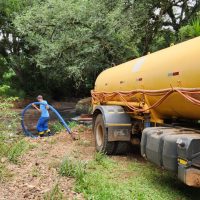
(101, 137)
(122, 148)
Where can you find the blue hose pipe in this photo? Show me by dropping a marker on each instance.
(27, 133)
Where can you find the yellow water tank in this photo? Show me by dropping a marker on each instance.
(175, 67)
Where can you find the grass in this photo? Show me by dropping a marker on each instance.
(5, 174)
(12, 145)
(71, 168)
(17, 150)
(103, 178)
(54, 164)
(84, 143)
(56, 127)
(54, 194)
(13, 149)
(35, 172)
(72, 124)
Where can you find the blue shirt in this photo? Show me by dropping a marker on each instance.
(44, 111)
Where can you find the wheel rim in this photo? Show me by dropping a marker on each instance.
(99, 135)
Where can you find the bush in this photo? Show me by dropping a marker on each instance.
(7, 91)
(190, 31)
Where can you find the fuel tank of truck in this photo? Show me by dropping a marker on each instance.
(175, 67)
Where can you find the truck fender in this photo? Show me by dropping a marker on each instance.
(116, 120)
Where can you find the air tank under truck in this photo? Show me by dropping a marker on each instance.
(153, 101)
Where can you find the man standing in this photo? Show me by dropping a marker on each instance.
(42, 125)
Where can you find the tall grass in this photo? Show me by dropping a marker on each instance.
(17, 150)
(12, 145)
(71, 168)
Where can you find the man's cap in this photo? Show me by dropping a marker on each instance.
(39, 97)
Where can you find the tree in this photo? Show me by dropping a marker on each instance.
(14, 54)
(74, 41)
(61, 46)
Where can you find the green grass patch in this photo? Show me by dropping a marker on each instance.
(72, 124)
(103, 178)
(17, 150)
(71, 168)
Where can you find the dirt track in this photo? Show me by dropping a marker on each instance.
(37, 172)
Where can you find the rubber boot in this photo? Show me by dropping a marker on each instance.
(41, 134)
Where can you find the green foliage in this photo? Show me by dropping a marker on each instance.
(7, 91)
(13, 54)
(54, 194)
(11, 145)
(72, 124)
(59, 47)
(191, 30)
(56, 127)
(62, 51)
(4, 89)
(9, 119)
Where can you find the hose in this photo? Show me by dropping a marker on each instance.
(28, 133)
(101, 97)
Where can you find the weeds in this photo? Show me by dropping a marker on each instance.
(101, 159)
(54, 194)
(72, 124)
(56, 127)
(84, 143)
(17, 150)
(4, 173)
(9, 123)
(73, 169)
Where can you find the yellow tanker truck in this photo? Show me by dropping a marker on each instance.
(154, 101)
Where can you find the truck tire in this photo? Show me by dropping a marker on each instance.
(101, 137)
(122, 148)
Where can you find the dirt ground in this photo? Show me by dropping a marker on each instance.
(36, 174)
